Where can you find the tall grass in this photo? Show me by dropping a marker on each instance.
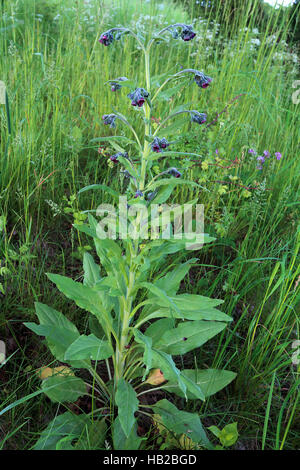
(55, 74)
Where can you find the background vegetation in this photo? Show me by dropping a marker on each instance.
(55, 72)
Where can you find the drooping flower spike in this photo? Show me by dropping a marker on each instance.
(108, 37)
(109, 119)
(115, 158)
(138, 97)
(159, 145)
(202, 80)
(199, 118)
(174, 172)
(187, 33)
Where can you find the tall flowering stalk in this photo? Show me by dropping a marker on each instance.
(135, 335)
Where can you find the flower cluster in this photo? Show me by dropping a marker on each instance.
(114, 158)
(262, 158)
(110, 119)
(187, 33)
(106, 38)
(159, 145)
(174, 172)
(199, 118)
(138, 97)
(202, 80)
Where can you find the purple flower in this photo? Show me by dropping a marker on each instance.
(115, 86)
(138, 97)
(138, 194)
(158, 145)
(109, 119)
(252, 151)
(106, 38)
(115, 158)
(259, 167)
(278, 155)
(267, 153)
(199, 118)
(203, 81)
(261, 159)
(174, 172)
(187, 33)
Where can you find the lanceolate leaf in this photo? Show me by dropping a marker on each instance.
(64, 389)
(188, 336)
(91, 270)
(211, 381)
(93, 187)
(123, 442)
(147, 343)
(181, 422)
(165, 363)
(63, 425)
(127, 404)
(88, 347)
(171, 281)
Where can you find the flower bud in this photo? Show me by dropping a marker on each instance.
(187, 33)
(199, 118)
(174, 172)
(106, 38)
(203, 81)
(138, 97)
(158, 145)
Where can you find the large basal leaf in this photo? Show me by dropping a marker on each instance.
(63, 389)
(157, 328)
(211, 381)
(127, 404)
(93, 436)
(88, 347)
(91, 271)
(182, 422)
(123, 442)
(61, 426)
(188, 336)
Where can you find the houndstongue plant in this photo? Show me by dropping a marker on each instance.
(138, 319)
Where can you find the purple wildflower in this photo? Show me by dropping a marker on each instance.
(109, 119)
(115, 158)
(174, 172)
(138, 194)
(106, 38)
(278, 155)
(138, 97)
(267, 153)
(252, 152)
(158, 145)
(203, 81)
(187, 33)
(199, 118)
(261, 159)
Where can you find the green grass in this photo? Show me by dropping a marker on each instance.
(55, 72)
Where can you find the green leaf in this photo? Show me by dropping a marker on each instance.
(88, 347)
(171, 281)
(171, 182)
(228, 436)
(65, 388)
(123, 442)
(164, 299)
(93, 436)
(154, 331)
(61, 426)
(91, 270)
(182, 422)
(107, 189)
(127, 404)
(147, 343)
(88, 298)
(57, 329)
(188, 336)
(165, 363)
(211, 381)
